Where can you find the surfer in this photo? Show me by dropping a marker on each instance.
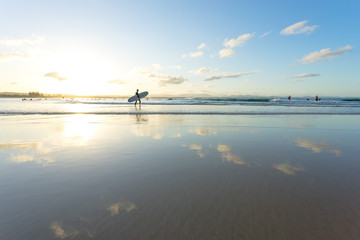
(137, 94)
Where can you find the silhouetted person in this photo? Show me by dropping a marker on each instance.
(316, 98)
(137, 94)
(289, 97)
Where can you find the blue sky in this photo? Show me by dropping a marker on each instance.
(216, 48)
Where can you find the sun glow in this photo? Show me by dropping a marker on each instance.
(82, 73)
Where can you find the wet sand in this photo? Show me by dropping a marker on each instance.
(179, 177)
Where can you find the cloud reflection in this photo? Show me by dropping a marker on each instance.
(204, 132)
(228, 156)
(19, 145)
(196, 147)
(29, 158)
(115, 208)
(317, 147)
(287, 168)
(62, 233)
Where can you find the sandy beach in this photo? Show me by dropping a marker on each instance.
(85, 176)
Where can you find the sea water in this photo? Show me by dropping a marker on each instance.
(232, 106)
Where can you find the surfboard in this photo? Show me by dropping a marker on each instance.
(142, 95)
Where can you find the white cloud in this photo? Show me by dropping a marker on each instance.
(226, 52)
(298, 28)
(116, 81)
(265, 34)
(55, 75)
(157, 66)
(239, 41)
(13, 56)
(304, 75)
(34, 39)
(228, 75)
(176, 67)
(201, 46)
(167, 79)
(325, 53)
(193, 54)
(203, 70)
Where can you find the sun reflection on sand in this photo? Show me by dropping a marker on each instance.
(79, 129)
(317, 147)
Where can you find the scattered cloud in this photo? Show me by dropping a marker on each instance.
(201, 46)
(28, 41)
(239, 41)
(167, 79)
(116, 81)
(265, 34)
(228, 75)
(317, 147)
(115, 208)
(55, 75)
(203, 70)
(325, 53)
(226, 52)
(13, 56)
(287, 169)
(193, 54)
(157, 66)
(176, 67)
(305, 75)
(298, 28)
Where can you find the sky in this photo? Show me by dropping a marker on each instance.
(177, 48)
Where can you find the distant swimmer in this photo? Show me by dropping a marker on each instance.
(137, 94)
(316, 98)
(289, 97)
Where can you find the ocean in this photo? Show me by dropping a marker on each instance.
(226, 106)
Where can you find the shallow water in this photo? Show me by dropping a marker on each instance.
(85, 176)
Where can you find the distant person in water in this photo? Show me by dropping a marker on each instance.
(316, 98)
(289, 97)
(137, 94)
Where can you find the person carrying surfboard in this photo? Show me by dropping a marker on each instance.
(137, 94)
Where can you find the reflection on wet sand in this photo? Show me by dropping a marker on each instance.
(19, 145)
(317, 147)
(228, 156)
(63, 232)
(79, 129)
(196, 147)
(287, 168)
(204, 132)
(115, 208)
(28, 158)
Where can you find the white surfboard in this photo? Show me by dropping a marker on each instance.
(142, 95)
